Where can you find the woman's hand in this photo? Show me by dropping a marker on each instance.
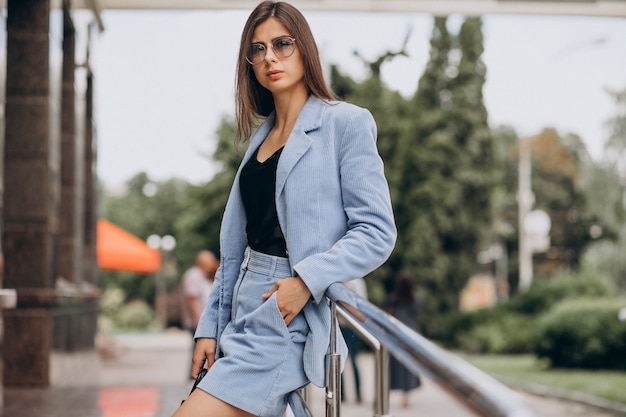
(204, 351)
(292, 295)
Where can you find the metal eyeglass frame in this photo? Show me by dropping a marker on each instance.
(278, 54)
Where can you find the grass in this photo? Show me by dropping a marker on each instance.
(610, 385)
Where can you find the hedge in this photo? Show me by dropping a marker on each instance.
(583, 333)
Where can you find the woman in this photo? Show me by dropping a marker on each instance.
(309, 207)
(404, 306)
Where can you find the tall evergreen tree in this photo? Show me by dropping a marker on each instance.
(425, 164)
(439, 163)
(446, 209)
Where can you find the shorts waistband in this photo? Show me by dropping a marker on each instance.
(266, 264)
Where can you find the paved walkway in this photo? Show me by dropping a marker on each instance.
(147, 377)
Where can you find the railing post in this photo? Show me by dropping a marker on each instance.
(477, 390)
(382, 383)
(333, 390)
(381, 365)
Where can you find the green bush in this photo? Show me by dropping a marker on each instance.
(503, 333)
(583, 333)
(459, 322)
(510, 327)
(111, 302)
(135, 315)
(482, 338)
(543, 294)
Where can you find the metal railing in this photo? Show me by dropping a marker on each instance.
(475, 389)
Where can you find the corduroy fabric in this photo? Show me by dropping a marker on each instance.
(334, 208)
(262, 358)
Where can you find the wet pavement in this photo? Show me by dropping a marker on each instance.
(146, 375)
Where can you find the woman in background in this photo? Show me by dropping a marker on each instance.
(404, 306)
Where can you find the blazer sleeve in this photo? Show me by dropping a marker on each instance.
(371, 231)
(207, 326)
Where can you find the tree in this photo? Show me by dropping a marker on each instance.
(605, 188)
(558, 163)
(450, 177)
(201, 217)
(146, 207)
(393, 119)
(438, 158)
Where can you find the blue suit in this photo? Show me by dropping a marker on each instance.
(334, 209)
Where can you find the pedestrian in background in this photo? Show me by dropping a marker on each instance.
(196, 285)
(405, 306)
(195, 288)
(309, 207)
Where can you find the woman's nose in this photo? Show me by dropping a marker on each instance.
(270, 56)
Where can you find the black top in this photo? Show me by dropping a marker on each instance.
(257, 185)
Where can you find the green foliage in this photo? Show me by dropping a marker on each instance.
(147, 207)
(446, 207)
(202, 215)
(511, 333)
(111, 302)
(544, 294)
(500, 329)
(604, 194)
(118, 315)
(134, 285)
(556, 181)
(607, 258)
(512, 326)
(576, 193)
(136, 315)
(439, 163)
(605, 189)
(583, 334)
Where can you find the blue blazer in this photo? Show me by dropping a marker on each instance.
(334, 209)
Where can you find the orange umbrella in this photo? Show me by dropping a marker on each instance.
(119, 250)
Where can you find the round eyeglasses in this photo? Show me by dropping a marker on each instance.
(283, 47)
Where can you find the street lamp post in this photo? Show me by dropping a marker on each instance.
(165, 245)
(534, 226)
(525, 200)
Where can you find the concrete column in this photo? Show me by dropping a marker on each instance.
(2, 88)
(31, 195)
(72, 171)
(90, 260)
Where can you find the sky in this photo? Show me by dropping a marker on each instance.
(164, 80)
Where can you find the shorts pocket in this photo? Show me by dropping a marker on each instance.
(298, 327)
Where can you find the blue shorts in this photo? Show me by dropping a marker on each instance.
(262, 358)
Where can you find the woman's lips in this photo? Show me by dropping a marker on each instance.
(272, 75)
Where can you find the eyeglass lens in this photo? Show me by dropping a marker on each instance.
(283, 47)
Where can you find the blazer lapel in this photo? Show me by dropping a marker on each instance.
(310, 118)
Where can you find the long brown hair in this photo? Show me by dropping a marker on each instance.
(403, 292)
(253, 100)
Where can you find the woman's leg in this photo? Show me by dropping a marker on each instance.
(405, 399)
(201, 404)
